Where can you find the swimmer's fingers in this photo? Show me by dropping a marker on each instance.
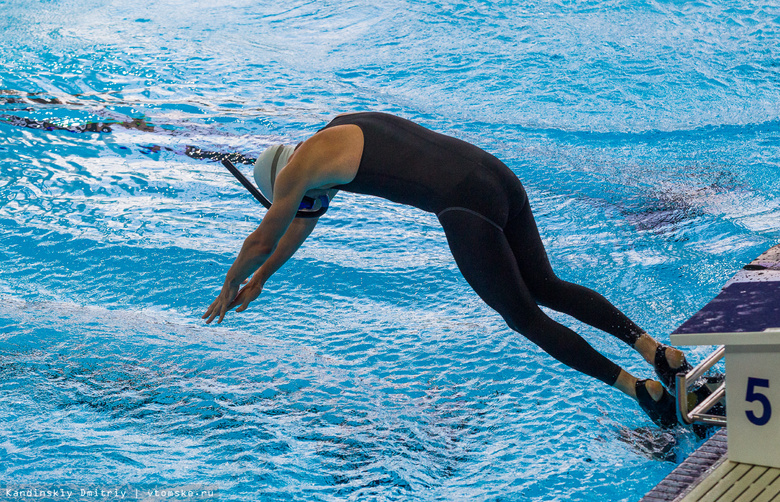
(248, 294)
(221, 305)
(214, 310)
(210, 312)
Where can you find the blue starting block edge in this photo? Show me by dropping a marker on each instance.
(747, 303)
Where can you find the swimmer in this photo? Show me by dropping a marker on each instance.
(484, 211)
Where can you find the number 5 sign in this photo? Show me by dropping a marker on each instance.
(752, 397)
(752, 392)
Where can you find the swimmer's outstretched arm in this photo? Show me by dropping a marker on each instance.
(328, 159)
(296, 234)
(257, 249)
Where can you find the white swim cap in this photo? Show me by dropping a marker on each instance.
(268, 165)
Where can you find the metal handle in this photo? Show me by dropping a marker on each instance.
(699, 413)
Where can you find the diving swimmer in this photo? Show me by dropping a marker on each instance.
(485, 213)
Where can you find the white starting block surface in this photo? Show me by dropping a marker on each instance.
(752, 392)
(744, 317)
(741, 317)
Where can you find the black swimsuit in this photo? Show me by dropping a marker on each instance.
(484, 211)
(409, 164)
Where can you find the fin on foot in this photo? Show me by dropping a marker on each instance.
(666, 375)
(663, 412)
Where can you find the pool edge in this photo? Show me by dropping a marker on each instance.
(686, 476)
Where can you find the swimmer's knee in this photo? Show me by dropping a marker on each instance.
(552, 292)
(529, 324)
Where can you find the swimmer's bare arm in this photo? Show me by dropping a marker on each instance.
(298, 231)
(296, 234)
(329, 158)
(257, 249)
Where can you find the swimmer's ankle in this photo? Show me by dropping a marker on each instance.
(675, 357)
(655, 389)
(626, 383)
(646, 345)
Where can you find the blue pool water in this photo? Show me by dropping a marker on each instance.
(647, 134)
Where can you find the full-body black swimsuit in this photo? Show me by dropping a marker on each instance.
(491, 232)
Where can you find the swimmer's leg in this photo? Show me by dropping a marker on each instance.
(485, 259)
(578, 301)
(549, 290)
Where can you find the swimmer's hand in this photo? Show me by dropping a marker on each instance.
(230, 297)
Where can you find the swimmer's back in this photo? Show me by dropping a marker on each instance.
(409, 164)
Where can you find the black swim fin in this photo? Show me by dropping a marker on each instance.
(663, 412)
